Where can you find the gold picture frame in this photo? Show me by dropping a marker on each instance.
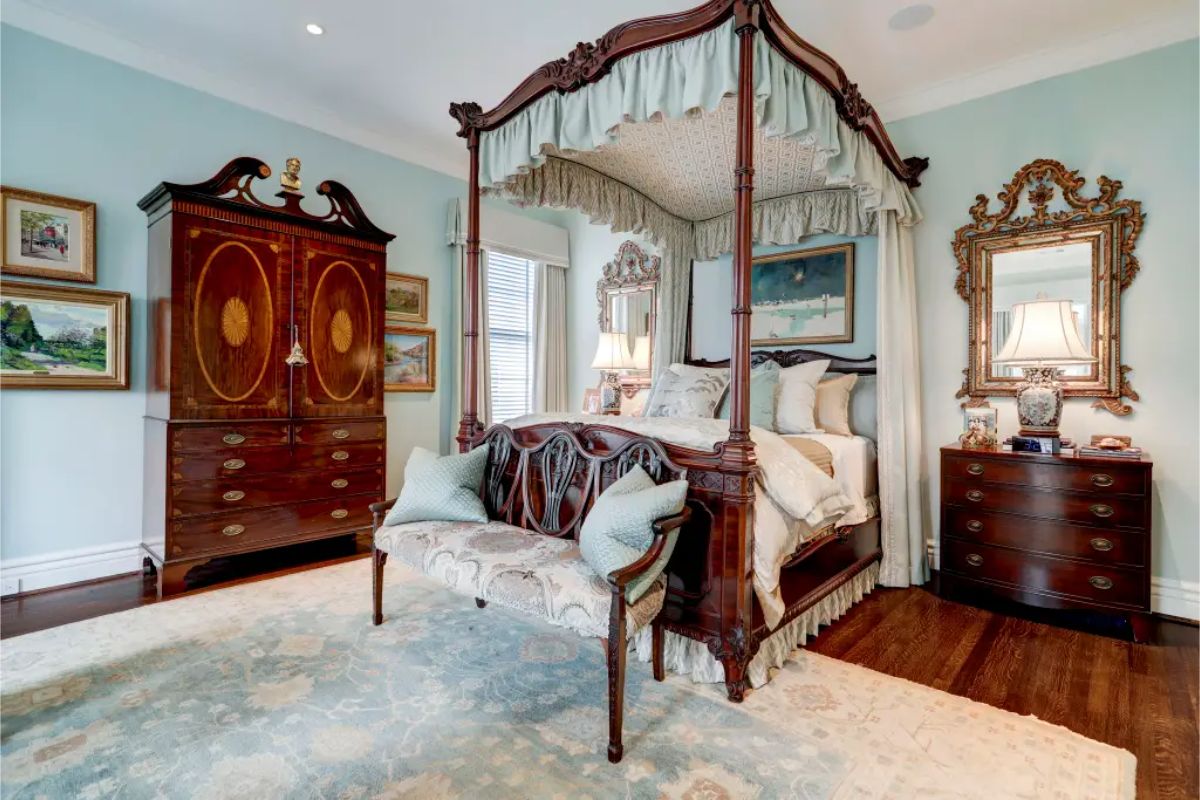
(790, 315)
(405, 368)
(80, 329)
(51, 236)
(406, 299)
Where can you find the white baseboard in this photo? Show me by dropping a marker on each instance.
(69, 566)
(1175, 598)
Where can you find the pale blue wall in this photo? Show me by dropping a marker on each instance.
(1134, 120)
(77, 125)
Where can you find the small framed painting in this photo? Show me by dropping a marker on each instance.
(409, 359)
(803, 297)
(407, 299)
(979, 427)
(591, 401)
(62, 337)
(46, 236)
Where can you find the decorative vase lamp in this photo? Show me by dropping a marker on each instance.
(1044, 337)
(612, 356)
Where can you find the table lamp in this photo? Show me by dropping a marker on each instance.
(641, 353)
(611, 355)
(1043, 338)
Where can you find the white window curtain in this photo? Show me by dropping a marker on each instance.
(550, 338)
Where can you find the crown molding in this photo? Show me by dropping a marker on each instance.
(1177, 26)
(106, 43)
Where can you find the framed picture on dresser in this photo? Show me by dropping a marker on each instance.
(409, 359)
(47, 236)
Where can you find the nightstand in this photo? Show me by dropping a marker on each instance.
(1048, 530)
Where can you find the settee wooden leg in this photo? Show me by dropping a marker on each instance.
(378, 558)
(656, 650)
(617, 645)
(480, 602)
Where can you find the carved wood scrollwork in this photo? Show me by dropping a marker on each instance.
(632, 267)
(1112, 227)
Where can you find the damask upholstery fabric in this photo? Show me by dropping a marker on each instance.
(618, 529)
(441, 488)
(764, 388)
(530, 572)
(678, 395)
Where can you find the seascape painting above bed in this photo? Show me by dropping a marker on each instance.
(803, 296)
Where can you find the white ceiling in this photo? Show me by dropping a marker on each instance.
(385, 70)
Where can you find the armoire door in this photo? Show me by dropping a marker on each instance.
(339, 308)
(236, 292)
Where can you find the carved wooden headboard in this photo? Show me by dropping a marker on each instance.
(548, 483)
(790, 358)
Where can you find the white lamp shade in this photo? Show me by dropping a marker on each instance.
(641, 352)
(611, 352)
(1043, 333)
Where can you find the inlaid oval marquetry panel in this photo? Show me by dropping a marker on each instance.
(232, 313)
(339, 317)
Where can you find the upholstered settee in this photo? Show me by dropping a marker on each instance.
(527, 558)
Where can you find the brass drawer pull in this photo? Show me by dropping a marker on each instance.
(1100, 582)
(339, 483)
(974, 495)
(1101, 544)
(233, 530)
(339, 513)
(974, 525)
(975, 560)
(233, 496)
(975, 469)
(233, 438)
(234, 463)
(1102, 510)
(341, 433)
(1102, 480)
(340, 455)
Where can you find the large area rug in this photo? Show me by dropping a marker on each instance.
(282, 688)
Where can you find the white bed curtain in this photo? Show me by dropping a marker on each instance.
(902, 517)
(549, 338)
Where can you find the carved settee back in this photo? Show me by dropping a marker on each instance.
(547, 481)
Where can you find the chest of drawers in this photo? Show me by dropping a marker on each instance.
(1050, 531)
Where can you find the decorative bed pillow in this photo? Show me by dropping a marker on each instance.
(833, 404)
(441, 488)
(686, 370)
(798, 397)
(687, 395)
(864, 411)
(764, 385)
(619, 528)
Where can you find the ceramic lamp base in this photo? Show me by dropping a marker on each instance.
(1040, 402)
(610, 393)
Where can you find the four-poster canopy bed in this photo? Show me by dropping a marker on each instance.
(557, 140)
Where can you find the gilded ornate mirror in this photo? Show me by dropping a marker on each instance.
(627, 295)
(1038, 246)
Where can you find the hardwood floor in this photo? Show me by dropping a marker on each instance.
(1140, 697)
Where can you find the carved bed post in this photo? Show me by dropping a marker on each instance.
(469, 425)
(737, 602)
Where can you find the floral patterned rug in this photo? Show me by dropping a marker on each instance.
(282, 688)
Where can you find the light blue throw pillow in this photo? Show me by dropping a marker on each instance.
(619, 528)
(764, 384)
(442, 488)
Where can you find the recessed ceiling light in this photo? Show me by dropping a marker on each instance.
(314, 29)
(911, 17)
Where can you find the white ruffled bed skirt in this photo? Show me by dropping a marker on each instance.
(689, 657)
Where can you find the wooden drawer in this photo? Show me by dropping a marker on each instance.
(1083, 477)
(1107, 512)
(208, 497)
(339, 432)
(226, 464)
(1102, 546)
(243, 530)
(185, 438)
(1093, 582)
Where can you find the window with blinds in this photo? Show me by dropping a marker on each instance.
(510, 334)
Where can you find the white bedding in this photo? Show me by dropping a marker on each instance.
(795, 491)
(854, 470)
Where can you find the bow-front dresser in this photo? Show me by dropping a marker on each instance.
(264, 411)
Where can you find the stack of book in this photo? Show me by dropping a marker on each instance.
(1134, 453)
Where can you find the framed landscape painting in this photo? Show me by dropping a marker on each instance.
(803, 297)
(409, 359)
(46, 236)
(61, 337)
(407, 299)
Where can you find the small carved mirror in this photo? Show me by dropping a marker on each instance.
(628, 298)
(1036, 246)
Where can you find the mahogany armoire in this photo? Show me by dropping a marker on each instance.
(264, 409)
